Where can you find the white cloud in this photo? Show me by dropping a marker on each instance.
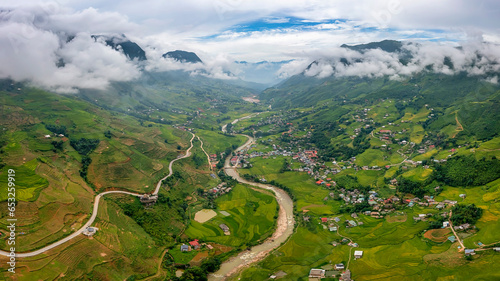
(473, 58)
(33, 38)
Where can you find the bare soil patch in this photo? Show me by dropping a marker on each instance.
(204, 215)
(198, 258)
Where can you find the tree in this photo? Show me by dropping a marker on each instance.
(194, 274)
(463, 213)
(284, 167)
(58, 145)
(84, 146)
(229, 128)
(211, 265)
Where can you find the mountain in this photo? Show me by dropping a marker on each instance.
(121, 43)
(471, 98)
(390, 46)
(168, 93)
(183, 56)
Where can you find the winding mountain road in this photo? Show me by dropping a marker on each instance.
(96, 208)
(284, 229)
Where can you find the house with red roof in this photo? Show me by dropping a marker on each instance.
(324, 219)
(194, 244)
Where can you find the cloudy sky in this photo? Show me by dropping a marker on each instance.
(221, 31)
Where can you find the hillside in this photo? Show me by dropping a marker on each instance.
(473, 99)
(166, 95)
(65, 151)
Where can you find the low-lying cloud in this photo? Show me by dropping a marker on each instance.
(482, 59)
(53, 48)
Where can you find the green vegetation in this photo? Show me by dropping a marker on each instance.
(84, 146)
(28, 183)
(56, 129)
(246, 229)
(367, 132)
(465, 214)
(467, 171)
(411, 187)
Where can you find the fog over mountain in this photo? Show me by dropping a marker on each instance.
(55, 47)
(473, 58)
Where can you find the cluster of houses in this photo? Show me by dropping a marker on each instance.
(345, 274)
(220, 189)
(213, 160)
(55, 135)
(317, 274)
(194, 245)
(328, 182)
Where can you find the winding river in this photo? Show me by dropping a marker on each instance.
(284, 228)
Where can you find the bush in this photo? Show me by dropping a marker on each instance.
(56, 129)
(84, 146)
(463, 213)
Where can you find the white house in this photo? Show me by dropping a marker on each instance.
(358, 254)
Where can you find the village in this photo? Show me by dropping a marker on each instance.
(301, 156)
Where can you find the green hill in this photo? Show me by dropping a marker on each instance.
(474, 100)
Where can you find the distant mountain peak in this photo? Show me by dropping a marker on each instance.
(389, 46)
(183, 56)
(122, 43)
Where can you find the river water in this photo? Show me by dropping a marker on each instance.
(284, 229)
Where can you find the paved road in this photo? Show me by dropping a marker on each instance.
(188, 153)
(242, 118)
(284, 228)
(95, 209)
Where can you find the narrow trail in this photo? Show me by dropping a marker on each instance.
(96, 208)
(208, 156)
(350, 251)
(158, 272)
(454, 233)
(459, 126)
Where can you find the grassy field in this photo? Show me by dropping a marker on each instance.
(215, 142)
(309, 196)
(245, 229)
(28, 183)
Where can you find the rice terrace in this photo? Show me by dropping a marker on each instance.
(264, 140)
